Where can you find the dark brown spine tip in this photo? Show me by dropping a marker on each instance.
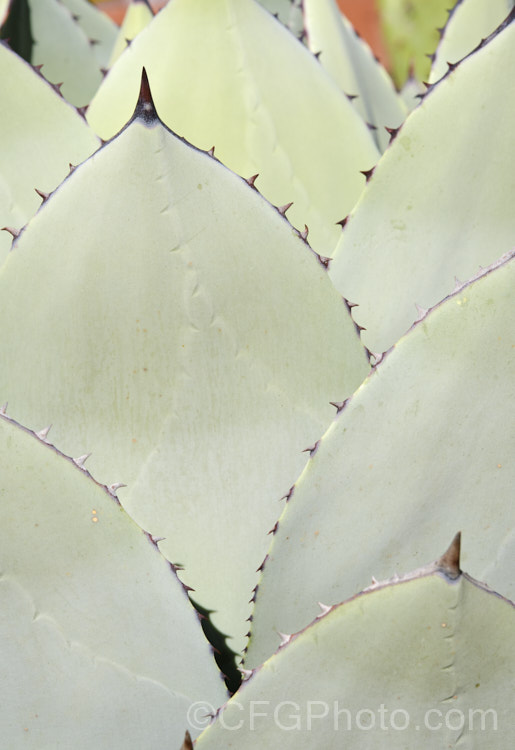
(392, 132)
(145, 107)
(187, 744)
(288, 494)
(449, 562)
(368, 173)
(251, 180)
(343, 222)
(312, 449)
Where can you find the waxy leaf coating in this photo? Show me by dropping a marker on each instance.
(161, 314)
(424, 661)
(422, 448)
(99, 644)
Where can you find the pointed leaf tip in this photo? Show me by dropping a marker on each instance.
(187, 744)
(145, 107)
(449, 562)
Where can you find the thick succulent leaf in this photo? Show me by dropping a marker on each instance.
(289, 12)
(423, 447)
(440, 202)
(410, 30)
(199, 342)
(99, 641)
(40, 135)
(351, 63)
(64, 50)
(138, 15)
(469, 23)
(412, 92)
(278, 114)
(97, 26)
(426, 661)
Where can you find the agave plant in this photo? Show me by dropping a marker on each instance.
(274, 413)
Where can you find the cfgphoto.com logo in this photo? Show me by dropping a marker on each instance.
(290, 716)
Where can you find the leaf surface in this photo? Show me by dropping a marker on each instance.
(277, 113)
(439, 203)
(98, 639)
(41, 134)
(351, 63)
(138, 15)
(199, 342)
(64, 50)
(289, 12)
(469, 23)
(422, 662)
(422, 448)
(97, 26)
